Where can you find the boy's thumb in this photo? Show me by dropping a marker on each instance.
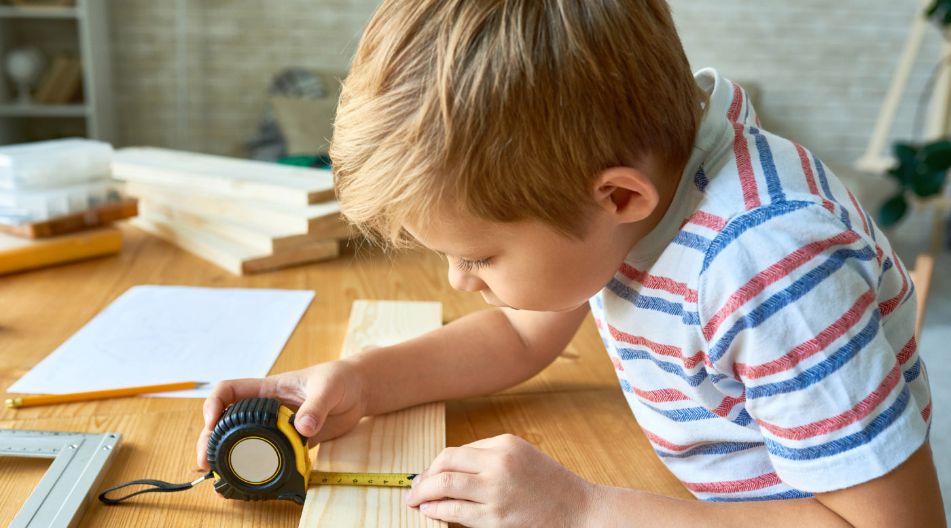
(308, 419)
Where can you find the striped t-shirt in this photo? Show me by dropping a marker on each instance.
(763, 333)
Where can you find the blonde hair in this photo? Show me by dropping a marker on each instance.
(506, 109)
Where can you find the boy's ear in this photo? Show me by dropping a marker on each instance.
(626, 193)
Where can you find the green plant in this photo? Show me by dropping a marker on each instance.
(940, 12)
(922, 170)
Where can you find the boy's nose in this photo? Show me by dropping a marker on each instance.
(463, 281)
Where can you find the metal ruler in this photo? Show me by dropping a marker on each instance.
(79, 460)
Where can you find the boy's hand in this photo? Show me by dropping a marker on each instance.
(500, 481)
(329, 398)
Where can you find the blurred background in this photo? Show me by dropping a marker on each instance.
(258, 79)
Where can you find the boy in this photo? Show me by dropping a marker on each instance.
(560, 153)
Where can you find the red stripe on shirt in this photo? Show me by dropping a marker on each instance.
(661, 395)
(706, 219)
(887, 307)
(616, 361)
(811, 177)
(727, 405)
(745, 168)
(734, 486)
(736, 105)
(741, 150)
(906, 351)
(811, 347)
(777, 271)
(858, 210)
(828, 425)
(659, 283)
(926, 412)
(658, 348)
(664, 443)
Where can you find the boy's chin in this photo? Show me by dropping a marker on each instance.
(492, 300)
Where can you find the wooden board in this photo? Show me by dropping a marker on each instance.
(159, 433)
(263, 238)
(98, 216)
(402, 441)
(230, 255)
(18, 254)
(296, 219)
(591, 432)
(230, 177)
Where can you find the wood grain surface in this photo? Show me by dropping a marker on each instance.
(593, 434)
(404, 441)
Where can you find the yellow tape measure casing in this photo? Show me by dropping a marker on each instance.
(256, 454)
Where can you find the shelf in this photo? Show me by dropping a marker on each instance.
(38, 12)
(43, 110)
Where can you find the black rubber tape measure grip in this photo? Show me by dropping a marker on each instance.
(256, 454)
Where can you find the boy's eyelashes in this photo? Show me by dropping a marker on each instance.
(466, 265)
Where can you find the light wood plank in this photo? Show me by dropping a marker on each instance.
(303, 219)
(263, 238)
(402, 441)
(233, 177)
(230, 255)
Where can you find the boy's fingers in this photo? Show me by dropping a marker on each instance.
(202, 449)
(447, 485)
(464, 459)
(453, 511)
(227, 392)
(313, 412)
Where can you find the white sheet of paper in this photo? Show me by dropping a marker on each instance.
(165, 334)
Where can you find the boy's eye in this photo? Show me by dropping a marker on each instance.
(466, 266)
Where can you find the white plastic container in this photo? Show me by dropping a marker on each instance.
(22, 206)
(54, 163)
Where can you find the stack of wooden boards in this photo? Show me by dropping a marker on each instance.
(244, 216)
(57, 203)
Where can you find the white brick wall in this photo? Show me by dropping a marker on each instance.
(822, 67)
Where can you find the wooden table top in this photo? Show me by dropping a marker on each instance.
(574, 410)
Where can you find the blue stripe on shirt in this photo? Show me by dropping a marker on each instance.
(773, 184)
(692, 241)
(719, 448)
(791, 494)
(630, 354)
(912, 374)
(784, 298)
(824, 182)
(688, 414)
(821, 370)
(649, 302)
(745, 222)
(839, 445)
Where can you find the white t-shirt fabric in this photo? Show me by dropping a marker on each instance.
(763, 332)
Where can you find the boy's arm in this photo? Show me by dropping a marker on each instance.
(477, 354)
(908, 496)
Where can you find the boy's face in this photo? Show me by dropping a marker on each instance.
(526, 265)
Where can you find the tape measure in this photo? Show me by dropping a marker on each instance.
(256, 454)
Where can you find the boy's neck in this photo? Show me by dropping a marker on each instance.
(667, 182)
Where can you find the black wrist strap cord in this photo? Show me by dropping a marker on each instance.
(159, 486)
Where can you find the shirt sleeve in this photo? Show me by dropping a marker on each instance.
(816, 321)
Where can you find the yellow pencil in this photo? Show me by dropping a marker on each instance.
(46, 399)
